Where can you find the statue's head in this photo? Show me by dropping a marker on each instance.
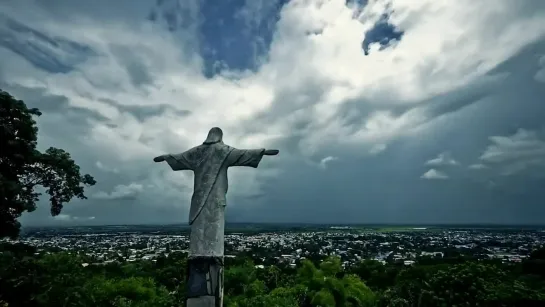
(215, 135)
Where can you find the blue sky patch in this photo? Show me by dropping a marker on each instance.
(383, 33)
(235, 34)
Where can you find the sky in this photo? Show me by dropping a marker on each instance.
(384, 111)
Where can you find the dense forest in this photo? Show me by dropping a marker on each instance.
(32, 278)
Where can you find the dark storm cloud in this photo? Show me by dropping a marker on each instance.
(124, 11)
(81, 119)
(387, 187)
(461, 98)
(144, 112)
(174, 14)
(136, 69)
(40, 49)
(55, 105)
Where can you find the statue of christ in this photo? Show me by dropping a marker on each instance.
(209, 162)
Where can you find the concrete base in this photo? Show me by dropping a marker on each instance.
(205, 282)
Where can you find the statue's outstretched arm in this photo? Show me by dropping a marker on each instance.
(271, 152)
(178, 162)
(159, 158)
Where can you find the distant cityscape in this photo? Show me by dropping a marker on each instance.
(289, 244)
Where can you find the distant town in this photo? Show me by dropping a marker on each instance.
(289, 244)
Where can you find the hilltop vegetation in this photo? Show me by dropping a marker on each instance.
(25, 171)
(28, 278)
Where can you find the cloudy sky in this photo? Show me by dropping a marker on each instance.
(384, 111)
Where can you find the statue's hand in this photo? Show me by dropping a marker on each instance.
(159, 159)
(271, 152)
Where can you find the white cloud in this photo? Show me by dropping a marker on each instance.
(121, 192)
(62, 217)
(516, 153)
(326, 161)
(540, 74)
(378, 148)
(477, 166)
(83, 218)
(102, 167)
(67, 217)
(442, 159)
(434, 174)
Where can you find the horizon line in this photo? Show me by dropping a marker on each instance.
(299, 223)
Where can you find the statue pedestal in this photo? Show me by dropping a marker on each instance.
(205, 282)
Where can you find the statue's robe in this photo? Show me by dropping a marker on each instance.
(209, 162)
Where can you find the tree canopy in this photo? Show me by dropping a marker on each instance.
(29, 277)
(23, 168)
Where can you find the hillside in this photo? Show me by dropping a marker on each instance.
(30, 278)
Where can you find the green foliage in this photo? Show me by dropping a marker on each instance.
(132, 291)
(538, 254)
(60, 279)
(23, 168)
(376, 275)
(464, 284)
(325, 288)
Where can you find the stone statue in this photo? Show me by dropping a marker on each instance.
(209, 162)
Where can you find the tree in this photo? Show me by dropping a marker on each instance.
(131, 291)
(535, 264)
(326, 289)
(466, 284)
(23, 168)
(376, 275)
(538, 254)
